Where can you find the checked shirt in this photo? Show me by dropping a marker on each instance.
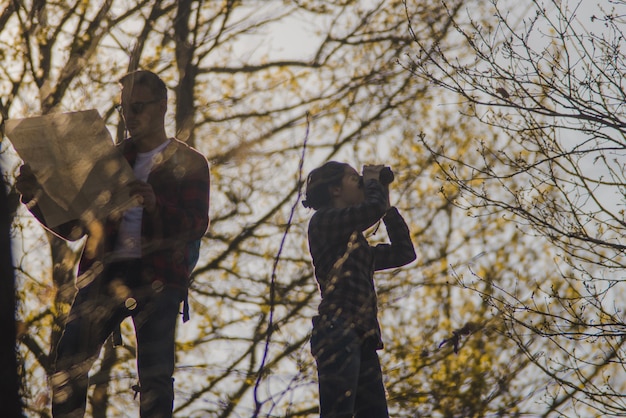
(344, 262)
(180, 180)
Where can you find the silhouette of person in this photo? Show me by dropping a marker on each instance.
(346, 334)
(136, 263)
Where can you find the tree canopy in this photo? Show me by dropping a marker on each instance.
(482, 323)
(551, 80)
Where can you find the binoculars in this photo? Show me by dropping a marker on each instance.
(386, 176)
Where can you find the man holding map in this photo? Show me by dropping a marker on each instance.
(137, 257)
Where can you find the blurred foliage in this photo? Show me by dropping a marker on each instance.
(549, 77)
(251, 83)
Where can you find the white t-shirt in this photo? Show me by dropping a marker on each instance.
(128, 243)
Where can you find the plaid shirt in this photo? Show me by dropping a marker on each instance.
(344, 261)
(180, 180)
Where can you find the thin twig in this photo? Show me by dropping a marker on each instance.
(270, 326)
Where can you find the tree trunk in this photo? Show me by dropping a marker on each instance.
(9, 380)
(101, 380)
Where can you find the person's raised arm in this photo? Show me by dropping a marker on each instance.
(401, 251)
(340, 223)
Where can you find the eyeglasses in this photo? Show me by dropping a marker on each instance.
(137, 107)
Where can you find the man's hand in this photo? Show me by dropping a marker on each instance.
(27, 184)
(144, 193)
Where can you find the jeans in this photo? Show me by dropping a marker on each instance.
(349, 372)
(98, 309)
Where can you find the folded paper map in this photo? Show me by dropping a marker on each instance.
(82, 174)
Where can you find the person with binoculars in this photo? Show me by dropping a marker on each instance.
(346, 334)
